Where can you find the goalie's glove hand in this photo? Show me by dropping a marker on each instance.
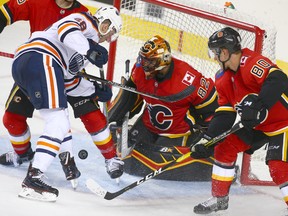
(97, 54)
(252, 111)
(198, 148)
(102, 93)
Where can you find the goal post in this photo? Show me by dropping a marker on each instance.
(187, 25)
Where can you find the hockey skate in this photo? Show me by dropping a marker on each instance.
(212, 204)
(70, 169)
(114, 167)
(34, 188)
(11, 158)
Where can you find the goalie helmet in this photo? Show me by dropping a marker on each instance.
(225, 38)
(112, 14)
(155, 54)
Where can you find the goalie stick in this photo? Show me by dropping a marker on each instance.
(123, 142)
(98, 190)
(170, 99)
(105, 107)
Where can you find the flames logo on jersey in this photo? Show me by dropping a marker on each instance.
(160, 116)
(19, 2)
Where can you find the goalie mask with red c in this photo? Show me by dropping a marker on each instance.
(154, 55)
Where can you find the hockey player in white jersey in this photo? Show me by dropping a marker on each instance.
(39, 69)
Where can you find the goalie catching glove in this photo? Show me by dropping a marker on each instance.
(97, 54)
(198, 148)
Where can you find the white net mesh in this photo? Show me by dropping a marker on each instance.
(187, 34)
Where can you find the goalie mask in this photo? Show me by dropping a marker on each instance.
(154, 55)
(112, 15)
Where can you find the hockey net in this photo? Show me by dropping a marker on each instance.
(186, 25)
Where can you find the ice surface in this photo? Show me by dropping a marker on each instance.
(154, 197)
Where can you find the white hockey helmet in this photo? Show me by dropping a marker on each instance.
(112, 14)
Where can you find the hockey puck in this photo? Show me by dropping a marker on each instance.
(82, 154)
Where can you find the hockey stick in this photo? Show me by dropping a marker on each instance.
(170, 99)
(8, 55)
(98, 190)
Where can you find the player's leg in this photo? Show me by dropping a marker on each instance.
(96, 125)
(225, 155)
(40, 78)
(223, 171)
(18, 109)
(278, 163)
(67, 160)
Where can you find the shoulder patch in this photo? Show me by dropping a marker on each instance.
(219, 74)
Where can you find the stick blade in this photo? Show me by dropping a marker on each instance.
(95, 188)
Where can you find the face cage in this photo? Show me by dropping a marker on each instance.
(111, 28)
(149, 64)
(212, 53)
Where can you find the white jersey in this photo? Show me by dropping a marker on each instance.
(66, 42)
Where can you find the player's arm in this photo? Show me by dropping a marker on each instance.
(207, 107)
(125, 101)
(273, 87)
(11, 12)
(222, 120)
(5, 16)
(257, 107)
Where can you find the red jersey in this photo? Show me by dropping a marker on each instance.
(171, 119)
(233, 87)
(40, 13)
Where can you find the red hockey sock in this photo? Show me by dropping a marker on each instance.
(278, 171)
(94, 121)
(18, 131)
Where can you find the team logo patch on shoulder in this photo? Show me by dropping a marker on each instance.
(19, 2)
(243, 60)
(188, 78)
(219, 74)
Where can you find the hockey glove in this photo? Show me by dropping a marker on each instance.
(97, 54)
(198, 148)
(252, 111)
(102, 93)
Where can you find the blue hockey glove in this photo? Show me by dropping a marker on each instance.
(97, 54)
(102, 93)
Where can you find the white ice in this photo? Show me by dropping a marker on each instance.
(154, 197)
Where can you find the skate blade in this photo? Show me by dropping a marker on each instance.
(117, 181)
(74, 183)
(31, 194)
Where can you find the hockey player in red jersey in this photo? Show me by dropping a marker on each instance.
(42, 14)
(164, 123)
(254, 87)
